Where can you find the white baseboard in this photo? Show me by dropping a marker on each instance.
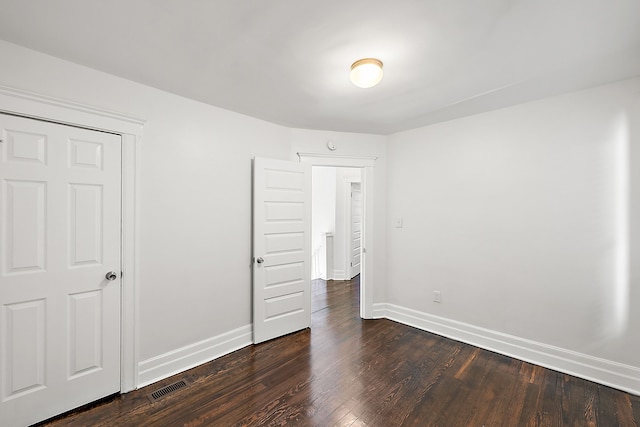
(179, 360)
(380, 311)
(602, 371)
(339, 275)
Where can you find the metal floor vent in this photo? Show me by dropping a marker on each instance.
(158, 394)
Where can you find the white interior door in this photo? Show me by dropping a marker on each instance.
(356, 229)
(281, 248)
(59, 236)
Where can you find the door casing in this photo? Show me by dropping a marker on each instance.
(366, 163)
(36, 106)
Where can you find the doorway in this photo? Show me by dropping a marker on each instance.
(335, 219)
(366, 165)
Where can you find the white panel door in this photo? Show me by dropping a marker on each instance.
(281, 247)
(59, 236)
(356, 229)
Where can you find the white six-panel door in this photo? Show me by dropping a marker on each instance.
(60, 208)
(281, 247)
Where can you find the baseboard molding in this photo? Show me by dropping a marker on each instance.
(339, 275)
(380, 311)
(176, 361)
(602, 371)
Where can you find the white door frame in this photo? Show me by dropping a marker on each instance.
(32, 105)
(366, 163)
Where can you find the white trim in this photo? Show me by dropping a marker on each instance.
(367, 163)
(29, 104)
(64, 111)
(380, 310)
(368, 249)
(130, 260)
(337, 160)
(190, 356)
(338, 275)
(602, 371)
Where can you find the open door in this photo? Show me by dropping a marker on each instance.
(281, 248)
(355, 235)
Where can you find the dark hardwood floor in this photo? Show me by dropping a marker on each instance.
(351, 372)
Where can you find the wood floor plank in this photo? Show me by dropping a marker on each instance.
(346, 371)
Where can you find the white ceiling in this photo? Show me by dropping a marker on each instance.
(287, 61)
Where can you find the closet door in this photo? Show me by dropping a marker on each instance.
(60, 197)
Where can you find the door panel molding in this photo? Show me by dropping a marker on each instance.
(281, 248)
(36, 106)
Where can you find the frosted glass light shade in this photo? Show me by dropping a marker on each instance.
(366, 72)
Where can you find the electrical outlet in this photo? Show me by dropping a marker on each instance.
(398, 222)
(437, 296)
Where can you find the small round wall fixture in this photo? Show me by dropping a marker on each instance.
(366, 72)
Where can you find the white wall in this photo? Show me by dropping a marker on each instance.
(521, 218)
(195, 197)
(323, 203)
(195, 203)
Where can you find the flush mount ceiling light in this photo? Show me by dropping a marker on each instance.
(366, 72)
